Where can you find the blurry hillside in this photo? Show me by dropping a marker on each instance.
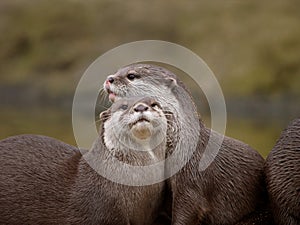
(253, 47)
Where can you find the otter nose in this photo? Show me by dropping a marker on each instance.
(110, 79)
(140, 108)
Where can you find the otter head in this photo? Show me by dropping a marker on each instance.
(139, 80)
(134, 123)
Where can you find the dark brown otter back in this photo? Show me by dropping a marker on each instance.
(36, 175)
(45, 181)
(259, 217)
(282, 171)
(228, 190)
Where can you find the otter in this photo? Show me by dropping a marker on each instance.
(231, 187)
(282, 171)
(45, 181)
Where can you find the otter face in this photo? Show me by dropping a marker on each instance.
(139, 80)
(135, 121)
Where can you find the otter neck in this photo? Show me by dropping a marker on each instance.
(188, 125)
(135, 152)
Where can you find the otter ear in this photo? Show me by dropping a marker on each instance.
(171, 82)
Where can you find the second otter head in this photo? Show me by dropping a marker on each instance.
(134, 123)
(139, 80)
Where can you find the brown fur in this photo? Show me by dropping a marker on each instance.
(229, 189)
(283, 176)
(45, 181)
(262, 216)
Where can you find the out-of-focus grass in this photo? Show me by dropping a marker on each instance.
(252, 46)
(260, 136)
(58, 124)
(49, 122)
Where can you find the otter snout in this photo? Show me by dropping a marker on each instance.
(140, 108)
(111, 95)
(141, 128)
(110, 80)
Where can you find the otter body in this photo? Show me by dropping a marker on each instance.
(34, 189)
(231, 187)
(283, 176)
(45, 181)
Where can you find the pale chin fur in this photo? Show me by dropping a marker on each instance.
(143, 141)
(113, 135)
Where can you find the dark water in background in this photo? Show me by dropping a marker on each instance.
(256, 121)
(58, 123)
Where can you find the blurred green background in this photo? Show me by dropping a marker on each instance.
(252, 46)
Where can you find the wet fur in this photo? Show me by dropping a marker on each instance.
(283, 176)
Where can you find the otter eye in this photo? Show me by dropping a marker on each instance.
(154, 104)
(131, 76)
(124, 107)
